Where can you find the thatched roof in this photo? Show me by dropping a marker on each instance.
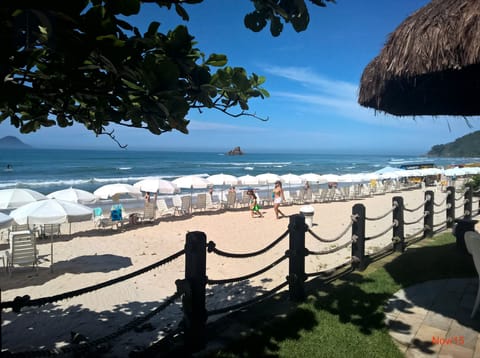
(430, 64)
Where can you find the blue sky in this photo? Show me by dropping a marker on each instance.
(312, 77)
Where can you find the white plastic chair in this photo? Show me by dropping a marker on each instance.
(23, 251)
(163, 208)
(201, 201)
(149, 212)
(472, 242)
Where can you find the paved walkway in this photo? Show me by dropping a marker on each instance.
(432, 319)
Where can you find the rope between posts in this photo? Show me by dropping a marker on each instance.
(415, 234)
(329, 251)
(246, 277)
(440, 203)
(440, 211)
(382, 233)
(85, 346)
(349, 226)
(384, 215)
(211, 247)
(383, 251)
(331, 271)
(419, 207)
(249, 302)
(425, 214)
(461, 196)
(460, 206)
(20, 302)
(440, 224)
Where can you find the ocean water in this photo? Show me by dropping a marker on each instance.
(47, 170)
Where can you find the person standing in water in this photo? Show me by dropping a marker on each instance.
(278, 197)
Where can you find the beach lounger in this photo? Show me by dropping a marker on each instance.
(149, 212)
(163, 209)
(22, 252)
(182, 204)
(213, 202)
(231, 200)
(114, 220)
(201, 201)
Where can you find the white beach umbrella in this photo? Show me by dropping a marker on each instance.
(223, 179)
(330, 178)
(430, 171)
(51, 211)
(390, 175)
(156, 185)
(387, 169)
(248, 180)
(5, 221)
(191, 182)
(395, 174)
(74, 195)
(411, 173)
(456, 171)
(267, 178)
(292, 179)
(366, 177)
(14, 198)
(313, 178)
(115, 190)
(471, 170)
(348, 178)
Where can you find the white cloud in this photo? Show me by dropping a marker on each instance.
(339, 98)
(309, 78)
(199, 125)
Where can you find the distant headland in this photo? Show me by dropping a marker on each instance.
(466, 146)
(11, 142)
(235, 151)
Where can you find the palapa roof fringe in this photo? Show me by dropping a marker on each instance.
(425, 53)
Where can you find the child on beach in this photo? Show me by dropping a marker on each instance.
(254, 207)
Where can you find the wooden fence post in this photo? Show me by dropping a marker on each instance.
(467, 206)
(194, 310)
(358, 233)
(428, 219)
(450, 206)
(296, 263)
(399, 228)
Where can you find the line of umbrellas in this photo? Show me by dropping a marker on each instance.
(69, 205)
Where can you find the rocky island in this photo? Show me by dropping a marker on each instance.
(235, 151)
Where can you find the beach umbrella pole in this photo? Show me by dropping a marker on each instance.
(51, 252)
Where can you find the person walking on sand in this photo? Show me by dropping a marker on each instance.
(254, 207)
(278, 197)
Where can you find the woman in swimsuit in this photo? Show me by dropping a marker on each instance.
(278, 197)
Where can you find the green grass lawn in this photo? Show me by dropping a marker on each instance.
(344, 318)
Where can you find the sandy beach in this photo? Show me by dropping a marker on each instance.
(89, 256)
